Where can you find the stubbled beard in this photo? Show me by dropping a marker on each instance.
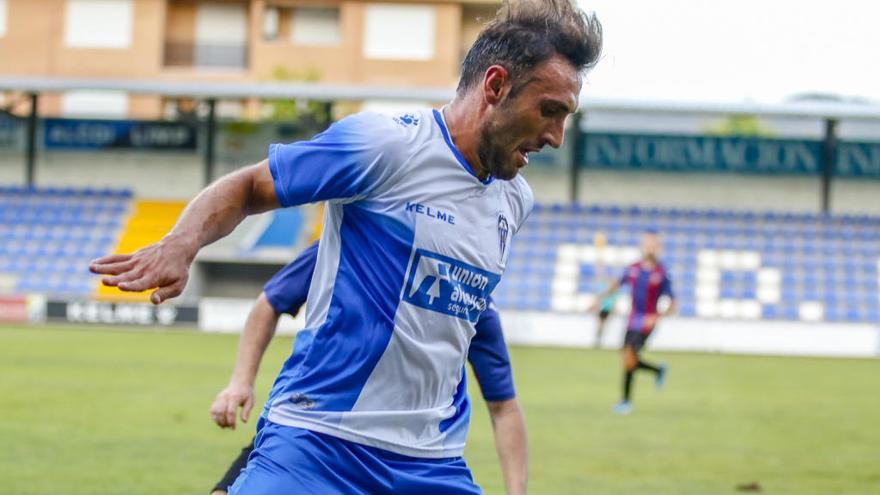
(492, 156)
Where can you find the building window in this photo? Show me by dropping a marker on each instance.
(270, 23)
(399, 32)
(315, 26)
(2, 18)
(221, 35)
(95, 104)
(98, 23)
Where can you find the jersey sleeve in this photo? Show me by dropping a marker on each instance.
(489, 358)
(624, 279)
(288, 289)
(666, 286)
(345, 162)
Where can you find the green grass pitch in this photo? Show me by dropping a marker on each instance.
(86, 411)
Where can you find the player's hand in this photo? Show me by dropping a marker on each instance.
(163, 266)
(651, 320)
(228, 401)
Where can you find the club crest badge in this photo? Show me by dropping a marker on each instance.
(503, 231)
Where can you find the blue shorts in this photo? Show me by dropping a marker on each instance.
(288, 460)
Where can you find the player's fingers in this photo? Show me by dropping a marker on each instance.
(107, 260)
(246, 409)
(220, 416)
(112, 268)
(115, 280)
(146, 281)
(164, 293)
(217, 408)
(231, 406)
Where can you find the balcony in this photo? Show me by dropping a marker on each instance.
(206, 56)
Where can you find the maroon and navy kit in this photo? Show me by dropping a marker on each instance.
(647, 286)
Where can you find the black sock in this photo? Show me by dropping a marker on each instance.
(627, 384)
(647, 366)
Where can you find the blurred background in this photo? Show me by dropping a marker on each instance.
(747, 134)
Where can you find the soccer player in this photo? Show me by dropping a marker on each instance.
(648, 281)
(606, 306)
(421, 211)
(287, 291)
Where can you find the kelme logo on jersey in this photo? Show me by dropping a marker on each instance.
(448, 286)
(407, 119)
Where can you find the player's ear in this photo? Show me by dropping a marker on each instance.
(496, 84)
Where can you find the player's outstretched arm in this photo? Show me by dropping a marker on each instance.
(257, 334)
(613, 287)
(213, 214)
(511, 443)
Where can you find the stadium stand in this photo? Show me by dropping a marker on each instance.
(48, 236)
(724, 263)
(149, 221)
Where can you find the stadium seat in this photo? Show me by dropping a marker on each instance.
(813, 252)
(48, 234)
(830, 259)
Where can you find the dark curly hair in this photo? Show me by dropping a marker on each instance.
(528, 32)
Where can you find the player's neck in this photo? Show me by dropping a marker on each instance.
(463, 124)
(649, 263)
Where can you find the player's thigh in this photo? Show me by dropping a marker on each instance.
(630, 351)
(294, 461)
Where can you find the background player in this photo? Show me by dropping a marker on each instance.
(287, 291)
(606, 306)
(648, 281)
(603, 282)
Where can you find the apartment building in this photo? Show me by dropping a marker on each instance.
(375, 42)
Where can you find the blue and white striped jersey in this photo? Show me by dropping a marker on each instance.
(412, 247)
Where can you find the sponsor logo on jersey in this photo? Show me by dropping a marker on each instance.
(449, 286)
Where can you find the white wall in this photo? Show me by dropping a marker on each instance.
(153, 175)
(673, 334)
(315, 26)
(221, 23)
(98, 23)
(3, 8)
(226, 315)
(94, 104)
(399, 32)
(699, 335)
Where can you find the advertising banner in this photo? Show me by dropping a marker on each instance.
(121, 313)
(92, 134)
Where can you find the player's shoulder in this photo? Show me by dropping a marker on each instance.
(661, 267)
(382, 127)
(634, 268)
(520, 185)
(391, 138)
(520, 197)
